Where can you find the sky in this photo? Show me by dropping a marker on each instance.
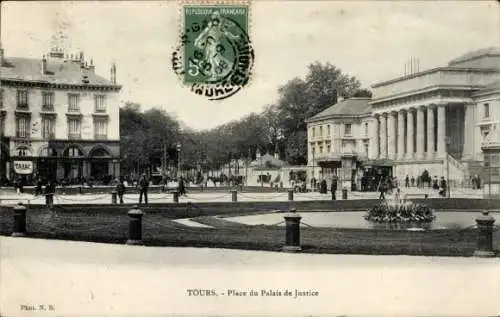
(371, 40)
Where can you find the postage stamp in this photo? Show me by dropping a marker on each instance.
(215, 56)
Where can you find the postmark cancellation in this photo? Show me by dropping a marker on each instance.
(214, 57)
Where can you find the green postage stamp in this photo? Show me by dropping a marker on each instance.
(215, 56)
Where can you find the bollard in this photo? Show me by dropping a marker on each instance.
(135, 226)
(290, 194)
(234, 195)
(485, 235)
(80, 190)
(113, 197)
(19, 220)
(292, 227)
(344, 193)
(176, 196)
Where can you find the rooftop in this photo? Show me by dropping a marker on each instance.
(348, 107)
(57, 72)
(475, 54)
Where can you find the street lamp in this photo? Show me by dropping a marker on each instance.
(178, 160)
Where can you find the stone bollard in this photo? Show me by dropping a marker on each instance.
(290, 194)
(344, 193)
(234, 195)
(176, 197)
(113, 197)
(19, 220)
(292, 227)
(135, 226)
(484, 247)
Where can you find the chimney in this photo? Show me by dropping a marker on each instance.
(44, 65)
(113, 74)
(91, 66)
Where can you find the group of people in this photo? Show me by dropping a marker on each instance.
(142, 187)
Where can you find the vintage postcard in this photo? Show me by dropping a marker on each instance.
(249, 158)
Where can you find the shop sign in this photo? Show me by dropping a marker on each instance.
(23, 167)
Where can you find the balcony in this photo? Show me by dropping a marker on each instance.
(48, 108)
(74, 136)
(23, 106)
(49, 136)
(100, 110)
(100, 136)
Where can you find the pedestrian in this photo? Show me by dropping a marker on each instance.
(397, 196)
(382, 187)
(38, 189)
(435, 184)
(50, 190)
(120, 189)
(323, 187)
(407, 181)
(333, 188)
(412, 181)
(444, 186)
(182, 187)
(143, 189)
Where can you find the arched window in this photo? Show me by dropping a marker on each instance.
(99, 152)
(47, 152)
(23, 151)
(73, 151)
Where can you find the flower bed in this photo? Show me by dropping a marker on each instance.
(403, 213)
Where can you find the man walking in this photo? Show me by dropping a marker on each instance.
(143, 189)
(333, 188)
(120, 190)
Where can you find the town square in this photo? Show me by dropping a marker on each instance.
(219, 161)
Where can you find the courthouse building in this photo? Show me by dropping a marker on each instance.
(58, 118)
(434, 120)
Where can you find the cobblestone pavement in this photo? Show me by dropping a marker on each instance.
(133, 197)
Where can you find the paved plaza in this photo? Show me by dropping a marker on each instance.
(197, 197)
(91, 279)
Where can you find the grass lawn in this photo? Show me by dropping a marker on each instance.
(159, 230)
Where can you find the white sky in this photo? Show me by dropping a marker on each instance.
(370, 40)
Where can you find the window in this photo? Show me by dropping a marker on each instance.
(48, 101)
(48, 128)
(74, 127)
(320, 149)
(313, 150)
(366, 148)
(22, 99)
(366, 128)
(1, 98)
(74, 152)
(2, 125)
(347, 129)
(486, 111)
(328, 130)
(100, 129)
(328, 148)
(100, 103)
(22, 151)
(314, 132)
(22, 127)
(321, 130)
(73, 102)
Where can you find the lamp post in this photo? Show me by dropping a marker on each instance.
(179, 160)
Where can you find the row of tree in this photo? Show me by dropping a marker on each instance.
(147, 138)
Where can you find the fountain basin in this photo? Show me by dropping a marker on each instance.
(355, 220)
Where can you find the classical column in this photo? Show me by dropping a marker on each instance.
(469, 130)
(430, 132)
(420, 133)
(441, 130)
(410, 133)
(383, 135)
(391, 135)
(401, 135)
(374, 137)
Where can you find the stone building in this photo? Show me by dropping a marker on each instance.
(433, 120)
(59, 119)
